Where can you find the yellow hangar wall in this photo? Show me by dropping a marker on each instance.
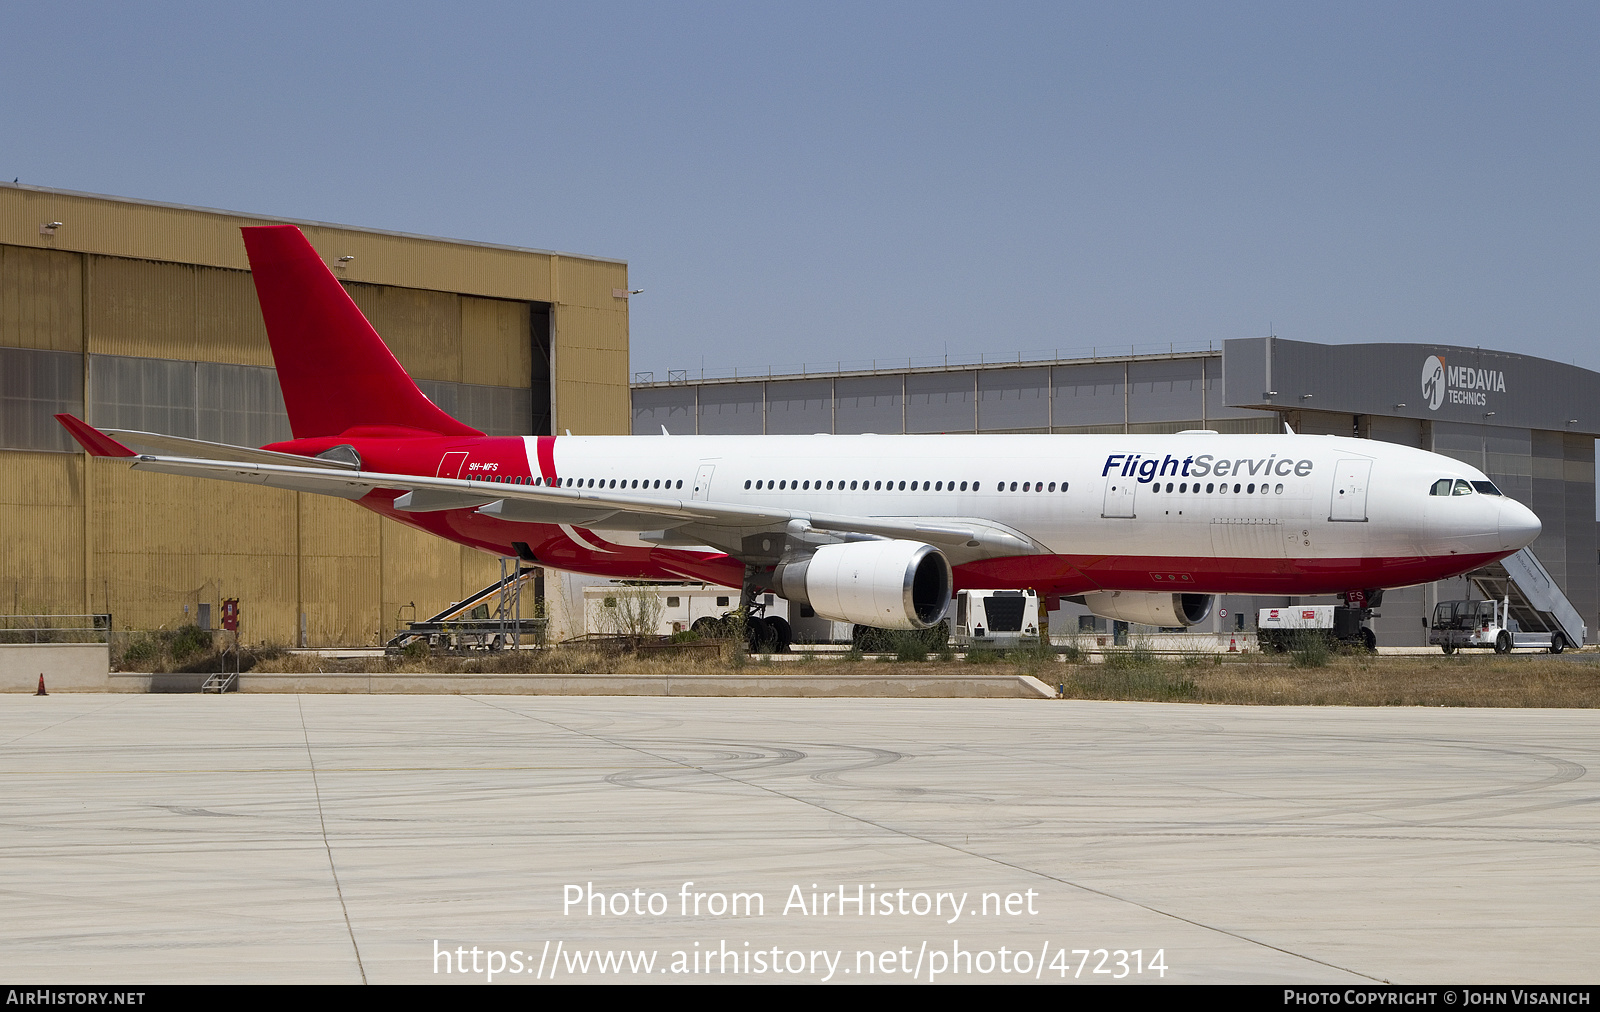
(122, 282)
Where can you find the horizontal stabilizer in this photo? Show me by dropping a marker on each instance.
(206, 450)
(92, 439)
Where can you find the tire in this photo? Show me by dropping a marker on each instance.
(1369, 639)
(1502, 643)
(783, 634)
(1558, 643)
(1448, 648)
(707, 628)
(761, 636)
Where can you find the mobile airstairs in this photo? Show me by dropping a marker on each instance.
(1522, 607)
(491, 619)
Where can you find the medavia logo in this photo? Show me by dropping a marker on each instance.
(1459, 384)
(1433, 382)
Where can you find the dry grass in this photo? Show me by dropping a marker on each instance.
(1463, 680)
(1361, 680)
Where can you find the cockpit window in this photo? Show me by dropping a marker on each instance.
(1463, 487)
(1456, 486)
(1486, 487)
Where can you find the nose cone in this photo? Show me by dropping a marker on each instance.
(1518, 525)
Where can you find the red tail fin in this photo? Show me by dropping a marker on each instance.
(334, 369)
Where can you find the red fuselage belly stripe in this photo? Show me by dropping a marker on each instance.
(1076, 574)
(1051, 574)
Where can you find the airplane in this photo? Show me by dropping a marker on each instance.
(876, 530)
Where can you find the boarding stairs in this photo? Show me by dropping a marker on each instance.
(224, 680)
(1536, 601)
(489, 619)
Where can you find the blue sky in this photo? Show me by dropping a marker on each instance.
(823, 182)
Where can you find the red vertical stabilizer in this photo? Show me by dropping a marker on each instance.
(334, 369)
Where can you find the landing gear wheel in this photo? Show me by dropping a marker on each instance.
(1369, 639)
(707, 628)
(1448, 648)
(762, 637)
(1558, 643)
(1502, 642)
(783, 632)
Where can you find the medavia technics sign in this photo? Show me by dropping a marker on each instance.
(1469, 385)
(1459, 384)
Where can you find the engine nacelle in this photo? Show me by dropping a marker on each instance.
(1151, 609)
(888, 584)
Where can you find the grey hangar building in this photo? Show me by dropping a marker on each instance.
(1529, 423)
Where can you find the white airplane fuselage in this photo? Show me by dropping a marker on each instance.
(1193, 512)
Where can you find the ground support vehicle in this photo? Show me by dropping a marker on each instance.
(1282, 629)
(1476, 625)
(996, 619)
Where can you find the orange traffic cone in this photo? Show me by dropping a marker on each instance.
(41, 691)
(1233, 645)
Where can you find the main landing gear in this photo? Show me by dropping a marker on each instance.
(763, 634)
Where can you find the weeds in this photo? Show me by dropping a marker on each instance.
(1309, 649)
(909, 646)
(1158, 683)
(1135, 673)
(1138, 657)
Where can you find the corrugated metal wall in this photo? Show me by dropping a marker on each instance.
(41, 555)
(41, 299)
(160, 295)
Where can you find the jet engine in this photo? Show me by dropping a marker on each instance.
(888, 584)
(1151, 609)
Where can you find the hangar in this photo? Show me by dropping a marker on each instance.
(141, 315)
(1529, 423)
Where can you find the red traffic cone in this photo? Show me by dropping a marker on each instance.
(1233, 645)
(41, 691)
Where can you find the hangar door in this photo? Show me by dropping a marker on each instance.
(1350, 491)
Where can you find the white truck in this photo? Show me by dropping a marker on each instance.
(1467, 625)
(1001, 619)
(1280, 629)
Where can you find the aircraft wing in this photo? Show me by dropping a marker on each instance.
(672, 521)
(965, 538)
(206, 450)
